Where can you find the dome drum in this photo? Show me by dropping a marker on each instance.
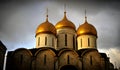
(48, 32)
(86, 34)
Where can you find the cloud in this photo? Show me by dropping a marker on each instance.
(113, 54)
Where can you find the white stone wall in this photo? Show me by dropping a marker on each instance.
(86, 41)
(45, 40)
(70, 33)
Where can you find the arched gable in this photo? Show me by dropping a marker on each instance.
(44, 59)
(21, 59)
(26, 51)
(52, 50)
(91, 60)
(63, 50)
(85, 52)
(68, 56)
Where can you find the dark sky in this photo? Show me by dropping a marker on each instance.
(19, 20)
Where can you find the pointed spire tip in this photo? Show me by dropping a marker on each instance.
(85, 16)
(47, 14)
(65, 10)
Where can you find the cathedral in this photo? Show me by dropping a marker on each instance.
(59, 47)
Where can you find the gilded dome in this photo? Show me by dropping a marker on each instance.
(46, 27)
(86, 29)
(65, 23)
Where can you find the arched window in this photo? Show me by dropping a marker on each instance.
(95, 43)
(81, 42)
(68, 59)
(88, 41)
(38, 41)
(74, 42)
(21, 59)
(91, 62)
(45, 59)
(45, 40)
(52, 41)
(65, 39)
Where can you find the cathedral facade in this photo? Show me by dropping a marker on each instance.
(61, 47)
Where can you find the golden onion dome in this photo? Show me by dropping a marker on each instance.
(46, 27)
(65, 23)
(86, 29)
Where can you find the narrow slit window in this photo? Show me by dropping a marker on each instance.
(44, 59)
(95, 43)
(91, 63)
(68, 59)
(38, 41)
(81, 43)
(88, 41)
(73, 42)
(55, 65)
(52, 41)
(65, 39)
(58, 40)
(45, 40)
(21, 59)
(76, 43)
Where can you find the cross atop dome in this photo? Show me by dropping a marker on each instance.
(47, 14)
(85, 16)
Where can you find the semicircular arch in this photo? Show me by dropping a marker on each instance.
(45, 49)
(66, 50)
(22, 49)
(87, 51)
(68, 67)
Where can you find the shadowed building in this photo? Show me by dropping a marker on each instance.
(61, 47)
(2, 54)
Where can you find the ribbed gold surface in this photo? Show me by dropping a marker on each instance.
(86, 28)
(46, 27)
(65, 23)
